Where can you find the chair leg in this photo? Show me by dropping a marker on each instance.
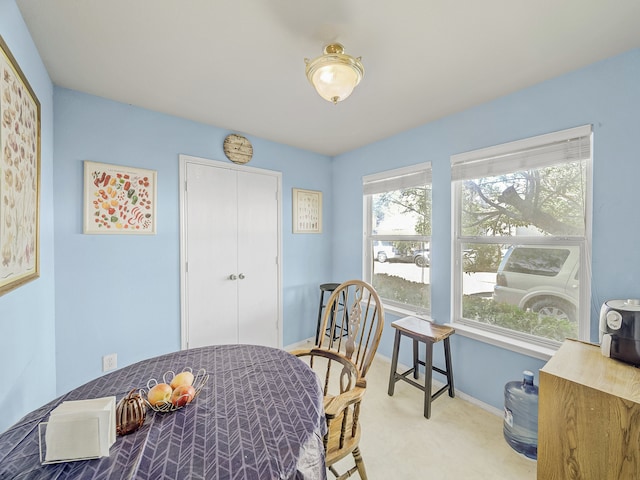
(359, 463)
(359, 467)
(334, 471)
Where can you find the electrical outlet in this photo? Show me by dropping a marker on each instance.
(110, 362)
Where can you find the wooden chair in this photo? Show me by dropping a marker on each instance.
(354, 317)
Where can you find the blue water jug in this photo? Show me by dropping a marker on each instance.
(521, 415)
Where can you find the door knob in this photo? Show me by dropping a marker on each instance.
(241, 276)
(233, 277)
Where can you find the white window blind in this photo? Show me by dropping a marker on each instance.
(545, 150)
(414, 176)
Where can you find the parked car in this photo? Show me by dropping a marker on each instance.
(382, 251)
(421, 257)
(542, 278)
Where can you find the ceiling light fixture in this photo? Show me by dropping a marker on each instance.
(335, 74)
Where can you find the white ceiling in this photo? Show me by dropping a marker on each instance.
(239, 64)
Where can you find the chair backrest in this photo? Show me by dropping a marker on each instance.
(354, 319)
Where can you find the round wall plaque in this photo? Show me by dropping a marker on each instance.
(238, 149)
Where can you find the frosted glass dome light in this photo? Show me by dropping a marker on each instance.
(335, 74)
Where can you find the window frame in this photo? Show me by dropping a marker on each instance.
(394, 180)
(511, 339)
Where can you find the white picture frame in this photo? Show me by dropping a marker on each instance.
(307, 211)
(119, 199)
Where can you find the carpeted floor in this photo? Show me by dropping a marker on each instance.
(460, 441)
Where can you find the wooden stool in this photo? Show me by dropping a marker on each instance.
(329, 288)
(429, 333)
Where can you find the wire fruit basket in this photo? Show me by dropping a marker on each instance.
(174, 403)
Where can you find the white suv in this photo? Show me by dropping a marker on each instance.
(542, 278)
(382, 251)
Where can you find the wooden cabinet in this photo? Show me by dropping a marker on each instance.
(588, 417)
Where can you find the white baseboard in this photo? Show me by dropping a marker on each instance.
(437, 385)
(309, 342)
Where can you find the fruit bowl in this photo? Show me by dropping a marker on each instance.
(170, 394)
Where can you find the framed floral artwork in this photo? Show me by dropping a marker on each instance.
(119, 200)
(19, 176)
(307, 211)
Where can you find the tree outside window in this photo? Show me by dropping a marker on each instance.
(521, 239)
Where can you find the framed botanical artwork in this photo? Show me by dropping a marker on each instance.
(119, 200)
(19, 176)
(307, 211)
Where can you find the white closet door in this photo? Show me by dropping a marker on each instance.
(212, 252)
(231, 245)
(257, 259)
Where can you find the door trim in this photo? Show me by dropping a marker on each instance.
(184, 160)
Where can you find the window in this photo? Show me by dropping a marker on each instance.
(397, 237)
(521, 217)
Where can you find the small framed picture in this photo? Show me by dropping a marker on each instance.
(307, 211)
(119, 200)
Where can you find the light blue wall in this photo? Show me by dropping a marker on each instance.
(607, 95)
(27, 324)
(121, 293)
